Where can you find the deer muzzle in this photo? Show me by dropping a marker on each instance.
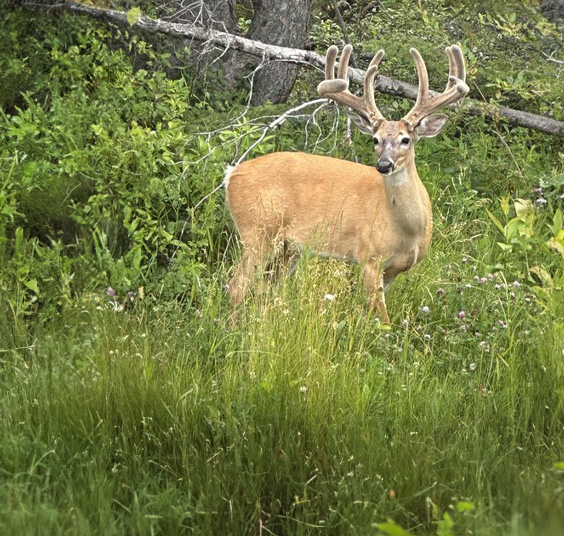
(385, 166)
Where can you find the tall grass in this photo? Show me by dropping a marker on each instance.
(306, 418)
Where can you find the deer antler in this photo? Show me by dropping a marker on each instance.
(455, 89)
(337, 89)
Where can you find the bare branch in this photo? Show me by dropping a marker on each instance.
(343, 27)
(550, 58)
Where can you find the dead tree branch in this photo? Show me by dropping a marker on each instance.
(273, 52)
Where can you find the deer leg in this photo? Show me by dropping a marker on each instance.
(389, 276)
(374, 284)
(292, 256)
(254, 258)
(283, 262)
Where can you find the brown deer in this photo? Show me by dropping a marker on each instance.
(379, 217)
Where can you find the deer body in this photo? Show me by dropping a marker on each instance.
(340, 208)
(379, 217)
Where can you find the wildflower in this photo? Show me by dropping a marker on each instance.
(461, 315)
(541, 201)
(464, 260)
(472, 367)
(440, 291)
(111, 292)
(131, 295)
(303, 389)
(476, 278)
(483, 280)
(537, 190)
(330, 297)
(516, 284)
(425, 309)
(502, 324)
(484, 346)
(491, 276)
(468, 285)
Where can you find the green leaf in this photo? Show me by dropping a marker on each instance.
(32, 285)
(556, 245)
(524, 208)
(505, 247)
(559, 466)
(445, 525)
(133, 15)
(498, 224)
(557, 222)
(465, 506)
(544, 276)
(504, 201)
(391, 529)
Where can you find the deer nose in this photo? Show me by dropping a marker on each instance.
(384, 166)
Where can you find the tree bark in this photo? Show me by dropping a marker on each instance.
(284, 23)
(293, 55)
(553, 10)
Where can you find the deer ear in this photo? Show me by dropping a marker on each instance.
(431, 125)
(362, 122)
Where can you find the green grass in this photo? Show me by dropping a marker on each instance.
(307, 418)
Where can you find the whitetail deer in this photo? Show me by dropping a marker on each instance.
(378, 217)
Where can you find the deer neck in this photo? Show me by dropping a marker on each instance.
(408, 200)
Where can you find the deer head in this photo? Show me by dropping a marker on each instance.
(394, 141)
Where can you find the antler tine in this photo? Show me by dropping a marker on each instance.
(459, 61)
(452, 67)
(369, 85)
(423, 77)
(455, 89)
(343, 71)
(457, 70)
(337, 89)
(332, 85)
(330, 57)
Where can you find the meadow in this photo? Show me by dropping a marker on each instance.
(129, 403)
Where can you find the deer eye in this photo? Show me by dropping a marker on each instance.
(404, 141)
(376, 141)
